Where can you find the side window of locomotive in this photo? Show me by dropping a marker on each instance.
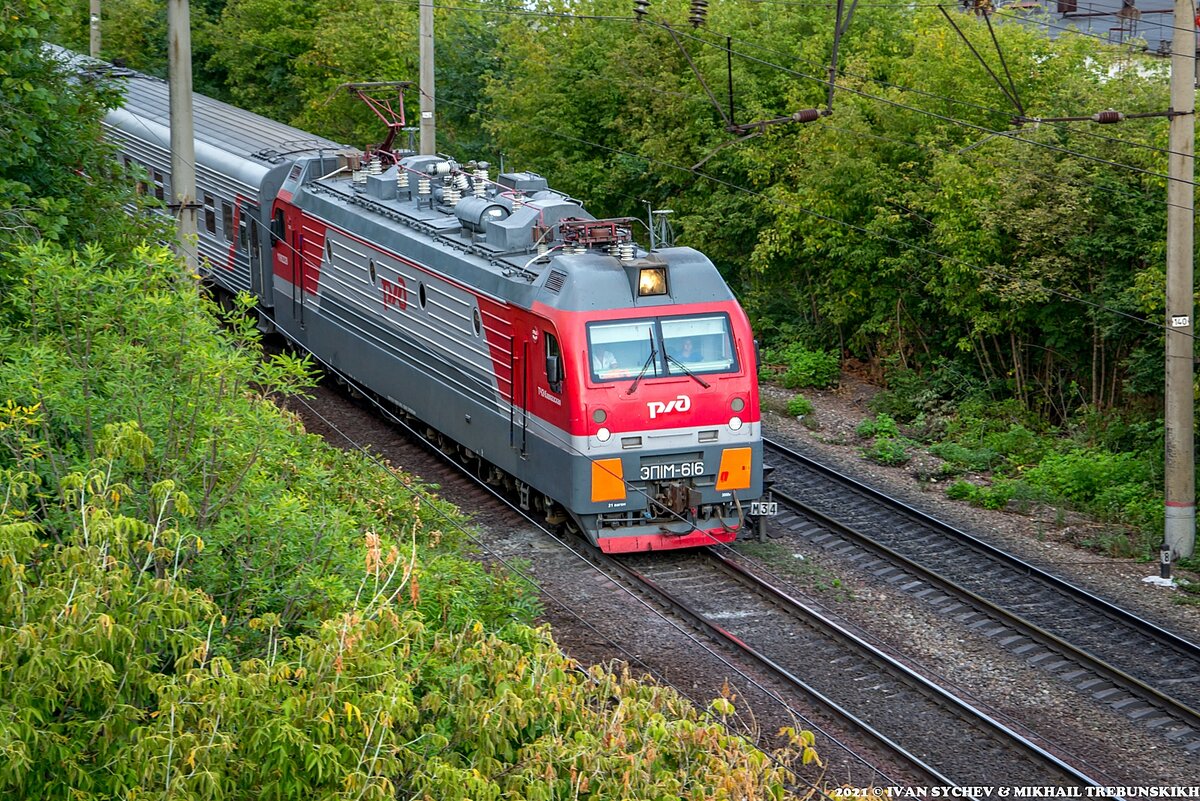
(623, 349)
(554, 363)
(700, 344)
(227, 220)
(278, 229)
(160, 185)
(210, 214)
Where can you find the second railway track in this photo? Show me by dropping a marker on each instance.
(1150, 675)
(951, 741)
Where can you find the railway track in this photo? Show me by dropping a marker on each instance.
(1150, 675)
(945, 738)
(618, 628)
(921, 735)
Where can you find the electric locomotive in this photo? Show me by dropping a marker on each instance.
(609, 386)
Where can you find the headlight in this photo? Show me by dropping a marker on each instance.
(652, 281)
(604, 434)
(735, 423)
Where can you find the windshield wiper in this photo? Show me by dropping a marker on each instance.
(672, 360)
(649, 361)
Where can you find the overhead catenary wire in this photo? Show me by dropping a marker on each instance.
(828, 218)
(632, 78)
(953, 120)
(822, 65)
(811, 212)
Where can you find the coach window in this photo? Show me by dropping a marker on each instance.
(554, 364)
(227, 220)
(210, 214)
(159, 185)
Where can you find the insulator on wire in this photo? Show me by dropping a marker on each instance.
(640, 9)
(1107, 117)
(807, 115)
(699, 13)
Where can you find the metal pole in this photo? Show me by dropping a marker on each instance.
(428, 129)
(94, 44)
(183, 144)
(1180, 472)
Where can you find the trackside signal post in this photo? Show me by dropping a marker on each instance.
(1179, 531)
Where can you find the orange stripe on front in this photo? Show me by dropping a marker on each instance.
(734, 473)
(608, 480)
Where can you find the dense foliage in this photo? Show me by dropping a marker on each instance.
(115, 685)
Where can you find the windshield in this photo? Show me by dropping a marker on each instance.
(692, 345)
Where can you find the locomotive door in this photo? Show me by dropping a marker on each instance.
(298, 271)
(518, 417)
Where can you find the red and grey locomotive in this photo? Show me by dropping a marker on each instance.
(608, 385)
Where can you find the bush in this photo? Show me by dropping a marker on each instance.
(886, 450)
(800, 367)
(1118, 487)
(799, 406)
(115, 687)
(880, 426)
(977, 460)
(931, 391)
(997, 496)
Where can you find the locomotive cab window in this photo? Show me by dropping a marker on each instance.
(620, 349)
(698, 344)
(554, 363)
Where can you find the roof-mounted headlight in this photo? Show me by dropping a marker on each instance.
(652, 281)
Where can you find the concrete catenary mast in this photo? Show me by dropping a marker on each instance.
(183, 145)
(1180, 465)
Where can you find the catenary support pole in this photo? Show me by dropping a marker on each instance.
(428, 129)
(1180, 471)
(183, 145)
(94, 17)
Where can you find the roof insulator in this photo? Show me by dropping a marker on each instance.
(640, 9)
(1107, 117)
(699, 13)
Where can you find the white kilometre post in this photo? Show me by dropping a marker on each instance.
(1180, 470)
(183, 144)
(428, 129)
